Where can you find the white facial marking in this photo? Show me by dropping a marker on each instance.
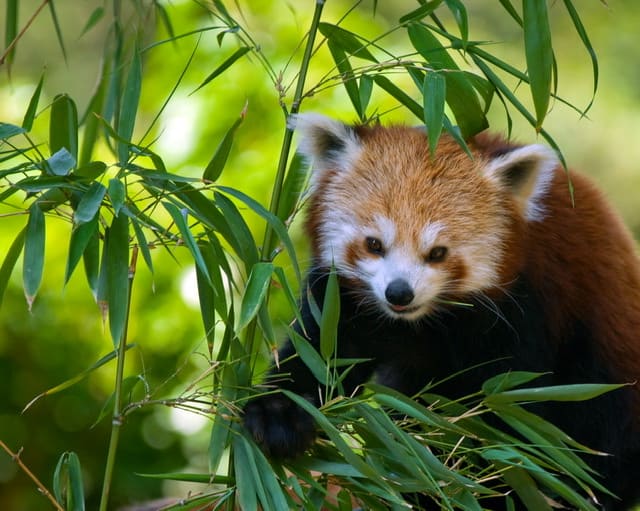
(430, 234)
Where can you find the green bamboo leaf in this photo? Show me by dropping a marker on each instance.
(129, 106)
(461, 95)
(216, 164)
(207, 295)
(577, 23)
(56, 25)
(434, 91)
(365, 89)
(77, 378)
(346, 41)
(330, 316)
(33, 263)
(293, 188)
(539, 55)
(524, 485)
(387, 85)
(117, 274)
(273, 220)
(27, 122)
(63, 126)
(61, 163)
(94, 18)
(91, 263)
(421, 12)
(245, 477)
(81, 236)
(309, 355)
(10, 130)
(224, 66)
(11, 30)
(90, 203)
(67, 482)
(187, 237)
(9, 262)
(142, 242)
(255, 292)
(508, 6)
(240, 230)
(91, 119)
(507, 381)
(117, 194)
(459, 12)
(346, 74)
(91, 171)
(576, 392)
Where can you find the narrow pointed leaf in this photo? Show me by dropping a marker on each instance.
(421, 12)
(434, 91)
(255, 292)
(117, 194)
(33, 263)
(129, 106)
(224, 66)
(63, 126)
(346, 41)
(91, 263)
(81, 236)
(29, 116)
(187, 237)
(330, 317)
(10, 29)
(9, 262)
(219, 159)
(90, 203)
(58, 29)
(576, 392)
(117, 272)
(142, 243)
(94, 18)
(346, 74)
(10, 130)
(539, 55)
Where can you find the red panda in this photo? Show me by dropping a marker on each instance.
(554, 285)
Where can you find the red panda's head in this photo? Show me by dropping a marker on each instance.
(408, 231)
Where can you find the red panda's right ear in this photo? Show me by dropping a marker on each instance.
(327, 143)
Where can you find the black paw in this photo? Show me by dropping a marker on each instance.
(279, 426)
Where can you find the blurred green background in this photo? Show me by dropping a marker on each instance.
(64, 334)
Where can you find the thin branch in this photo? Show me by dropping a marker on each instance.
(24, 29)
(16, 457)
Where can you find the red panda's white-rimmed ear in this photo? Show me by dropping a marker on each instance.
(327, 143)
(527, 173)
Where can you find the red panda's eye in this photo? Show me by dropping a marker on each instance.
(436, 255)
(374, 246)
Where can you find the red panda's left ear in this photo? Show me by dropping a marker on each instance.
(527, 173)
(327, 143)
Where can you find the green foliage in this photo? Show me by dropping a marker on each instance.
(100, 173)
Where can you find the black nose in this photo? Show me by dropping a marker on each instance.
(399, 292)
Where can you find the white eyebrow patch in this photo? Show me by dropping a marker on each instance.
(385, 229)
(430, 234)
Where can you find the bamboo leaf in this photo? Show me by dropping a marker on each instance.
(224, 66)
(577, 23)
(539, 55)
(63, 126)
(117, 194)
(346, 75)
(576, 392)
(94, 18)
(129, 106)
(91, 263)
(330, 317)
(75, 492)
(365, 89)
(255, 292)
(245, 476)
(9, 262)
(421, 12)
(33, 263)
(309, 355)
(384, 83)
(10, 130)
(11, 30)
(27, 122)
(142, 242)
(56, 25)
(434, 91)
(459, 12)
(61, 163)
(187, 237)
(90, 203)
(219, 159)
(81, 236)
(117, 273)
(346, 41)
